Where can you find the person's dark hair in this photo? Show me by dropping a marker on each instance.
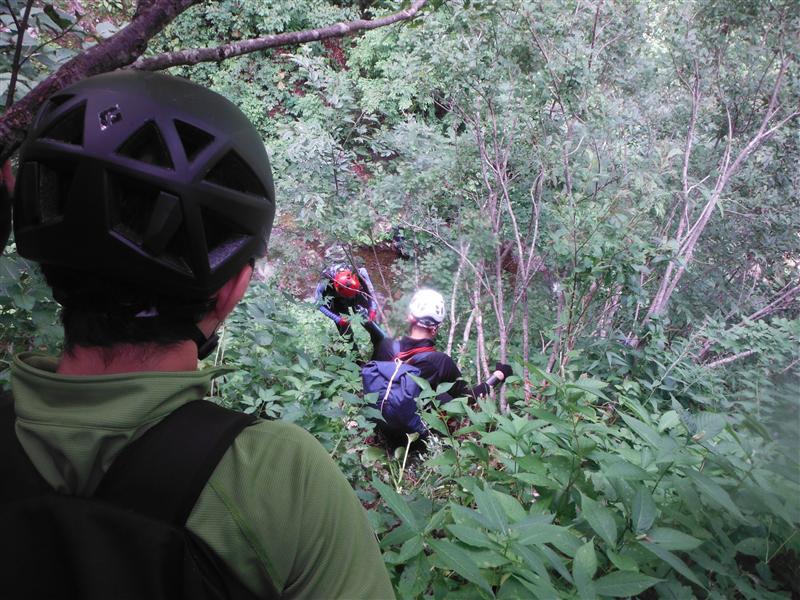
(104, 312)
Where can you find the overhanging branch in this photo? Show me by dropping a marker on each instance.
(194, 56)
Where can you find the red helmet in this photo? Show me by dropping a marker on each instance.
(346, 284)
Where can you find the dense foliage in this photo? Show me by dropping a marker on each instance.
(609, 195)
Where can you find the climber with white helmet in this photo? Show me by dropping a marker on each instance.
(416, 354)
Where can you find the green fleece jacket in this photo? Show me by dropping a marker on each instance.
(276, 508)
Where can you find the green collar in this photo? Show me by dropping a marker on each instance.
(73, 427)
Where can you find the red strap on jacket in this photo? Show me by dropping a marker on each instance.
(406, 354)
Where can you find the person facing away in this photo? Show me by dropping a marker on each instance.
(344, 289)
(425, 316)
(146, 199)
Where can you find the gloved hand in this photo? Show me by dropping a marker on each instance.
(343, 322)
(372, 314)
(505, 369)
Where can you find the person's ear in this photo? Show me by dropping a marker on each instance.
(232, 292)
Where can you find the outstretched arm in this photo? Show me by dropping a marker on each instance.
(370, 294)
(461, 389)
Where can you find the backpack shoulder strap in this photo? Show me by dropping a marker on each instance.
(162, 473)
(19, 477)
(413, 353)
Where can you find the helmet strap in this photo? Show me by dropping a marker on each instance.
(205, 344)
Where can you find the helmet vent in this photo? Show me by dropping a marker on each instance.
(53, 190)
(149, 219)
(194, 139)
(69, 128)
(223, 239)
(133, 207)
(51, 105)
(233, 173)
(147, 145)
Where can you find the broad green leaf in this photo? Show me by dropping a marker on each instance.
(415, 578)
(754, 546)
(593, 386)
(621, 584)
(584, 566)
(511, 506)
(489, 506)
(410, 549)
(458, 560)
(536, 533)
(398, 505)
(673, 561)
(672, 539)
(668, 420)
(708, 425)
(600, 519)
(556, 561)
(647, 433)
(714, 492)
(623, 563)
(672, 589)
(643, 511)
(626, 470)
(471, 536)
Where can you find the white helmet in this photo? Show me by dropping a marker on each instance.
(427, 308)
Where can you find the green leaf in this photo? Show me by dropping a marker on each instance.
(673, 561)
(600, 519)
(626, 470)
(623, 563)
(458, 560)
(584, 566)
(668, 420)
(593, 386)
(709, 425)
(714, 492)
(397, 504)
(410, 549)
(536, 533)
(415, 578)
(672, 539)
(621, 584)
(489, 506)
(647, 433)
(643, 511)
(471, 536)
(753, 546)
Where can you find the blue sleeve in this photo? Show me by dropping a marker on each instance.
(329, 313)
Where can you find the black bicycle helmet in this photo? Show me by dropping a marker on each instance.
(145, 178)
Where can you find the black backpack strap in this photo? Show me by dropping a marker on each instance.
(162, 473)
(19, 477)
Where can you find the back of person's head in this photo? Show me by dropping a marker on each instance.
(140, 195)
(426, 309)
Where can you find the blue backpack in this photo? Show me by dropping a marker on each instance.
(397, 391)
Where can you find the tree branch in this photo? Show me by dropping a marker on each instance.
(194, 56)
(16, 65)
(730, 359)
(119, 50)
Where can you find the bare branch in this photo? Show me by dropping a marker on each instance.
(730, 359)
(194, 56)
(22, 27)
(119, 50)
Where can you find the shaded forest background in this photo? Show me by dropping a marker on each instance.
(608, 194)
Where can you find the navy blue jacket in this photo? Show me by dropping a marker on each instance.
(435, 367)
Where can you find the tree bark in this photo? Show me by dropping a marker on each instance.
(119, 50)
(128, 45)
(194, 56)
